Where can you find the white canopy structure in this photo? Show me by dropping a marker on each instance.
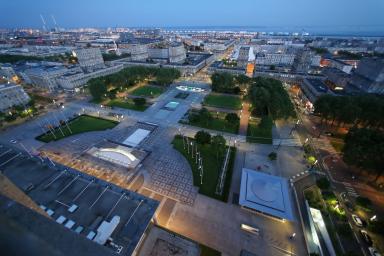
(135, 138)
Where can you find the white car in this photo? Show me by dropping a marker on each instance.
(357, 220)
(13, 141)
(373, 251)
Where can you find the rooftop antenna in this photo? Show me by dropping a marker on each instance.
(44, 24)
(54, 22)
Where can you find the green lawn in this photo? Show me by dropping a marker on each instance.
(211, 167)
(148, 91)
(218, 123)
(83, 123)
(128, 104)
(260, 130)
(223, 101)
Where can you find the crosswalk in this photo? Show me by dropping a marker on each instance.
(294, 142)
(350, 190)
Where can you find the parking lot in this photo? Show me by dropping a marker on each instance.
(57, 189)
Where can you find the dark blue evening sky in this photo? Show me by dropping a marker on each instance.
(329, 14)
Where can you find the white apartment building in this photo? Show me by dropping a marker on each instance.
(45, 77)
(12, 95)
(172, 53)
(90, 59)
(74, 80)
(6, 70)
(277, 59)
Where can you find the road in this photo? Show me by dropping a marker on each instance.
(307, 131)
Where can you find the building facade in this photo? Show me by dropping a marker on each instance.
(369, 76)
(90, 59)
(12, 95)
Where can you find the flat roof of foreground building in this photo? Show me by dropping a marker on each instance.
(265, 193)
(136, 138)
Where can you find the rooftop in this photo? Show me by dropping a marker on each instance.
(57, 189)
(265, 193)
(318, 85)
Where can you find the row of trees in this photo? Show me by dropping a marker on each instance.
(365, 110)
(269, 97)
(217, 142)
(364, 148)
(107, 86)
(227, 83)
(67, 57)
(205, 117)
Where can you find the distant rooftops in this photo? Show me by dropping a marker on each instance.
(318, 85)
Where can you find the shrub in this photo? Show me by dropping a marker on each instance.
(323, 183)
(363, 202)
(139, 101)
(203, 137)
(272, 156)
(232, 118)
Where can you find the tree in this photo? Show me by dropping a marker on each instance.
(243, 81)
(232, 118)
(269, 97)
(203, 137)
(223, 82)
(97, 88)
(205, 115)
(323, 183)
(364, 148)
(139, 101)
(165, 76)
(218, 144)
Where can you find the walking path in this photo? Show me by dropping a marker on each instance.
(244, 118)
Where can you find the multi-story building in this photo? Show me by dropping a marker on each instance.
(303, 60)
(90, 59)
(12, 95)
(336, 79)
(6, 70)
(245, 55)
(369, 76)
(77, 78)
(340, 65)
(314, 88)
(45, 77)
(277, 59)
(167, 53)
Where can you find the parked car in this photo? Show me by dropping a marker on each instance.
(329, 134)
(373, 251)
(357, 220)
(13, 141)
(366, 237)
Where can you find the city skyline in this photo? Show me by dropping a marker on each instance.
(276, 15)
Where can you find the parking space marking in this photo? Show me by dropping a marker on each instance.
(97, 199)
(10, 159)
(9, 150)
(59, 202)
(56, 178)
(69, 184)
(129, 220)
(82, 191)
(113, 208)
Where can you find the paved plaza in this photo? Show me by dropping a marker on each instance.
(165, 176)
